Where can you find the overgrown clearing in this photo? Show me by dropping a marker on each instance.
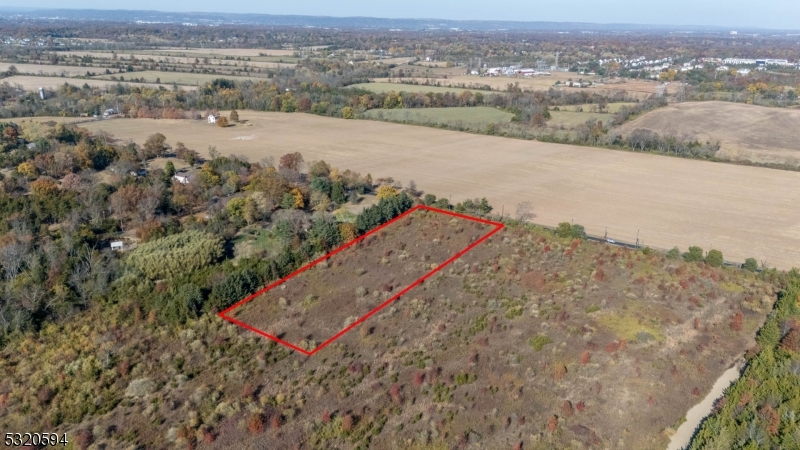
(512, 342)
(308, 309)
(746, 132)
(668, 201)
(472, 117)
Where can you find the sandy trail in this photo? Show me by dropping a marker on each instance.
(683, 436)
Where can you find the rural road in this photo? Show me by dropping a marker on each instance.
(742, 211)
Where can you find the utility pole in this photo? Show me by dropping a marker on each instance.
(637, 238)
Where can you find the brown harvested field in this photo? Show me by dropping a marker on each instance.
(743, 211)
(179, 59)
(48, 69)
(229, 51)
(745, 132)
(639, 89)
(312, 307)
(33, 83)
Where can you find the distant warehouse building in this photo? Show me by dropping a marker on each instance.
(756, 62)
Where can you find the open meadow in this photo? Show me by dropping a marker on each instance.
(471, 117)
(33, 83)
(381, 87)
(636, 89)
(745, 132)
(666, 201)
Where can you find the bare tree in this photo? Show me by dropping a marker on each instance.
(525, 212)
(13, 257)
(268, 161)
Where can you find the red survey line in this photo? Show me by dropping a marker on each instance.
(223, 314)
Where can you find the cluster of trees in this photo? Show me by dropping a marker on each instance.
(760, 409)
(57, 218)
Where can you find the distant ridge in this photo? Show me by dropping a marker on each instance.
(219, 18)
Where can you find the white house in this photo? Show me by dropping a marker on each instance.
(182, 178)
(117, 245)
(212, 118)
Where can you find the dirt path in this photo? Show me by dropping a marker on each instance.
(683, 436)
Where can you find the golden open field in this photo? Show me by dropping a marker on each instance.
(229, 51)
(745, 132)
(182, 78)
(33, 83)
(639, 89)
(178, 59)
(47, 69)
(743, 211)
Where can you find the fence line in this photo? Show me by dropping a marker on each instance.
(617, 242)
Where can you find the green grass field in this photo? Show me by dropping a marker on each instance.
(399, 87)
(183, 78)
(468, 116)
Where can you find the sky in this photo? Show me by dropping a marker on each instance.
(780, 14)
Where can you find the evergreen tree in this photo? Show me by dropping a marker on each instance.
(337, 193)
(169, 169)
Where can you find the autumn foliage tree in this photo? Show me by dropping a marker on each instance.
(291, 161)
(44, 187)
(27, 169)
(552, 424)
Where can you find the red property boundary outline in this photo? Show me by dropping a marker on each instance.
(224, 314)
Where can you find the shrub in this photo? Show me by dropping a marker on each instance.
(234, 116)
(222, 122)
(750, 264)
(675, 253)
(540, 341)
(694, 254)
(737, 322)
(714, 258)
(386, 191)
(256, 423)
(177, 254)
(568, 230)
